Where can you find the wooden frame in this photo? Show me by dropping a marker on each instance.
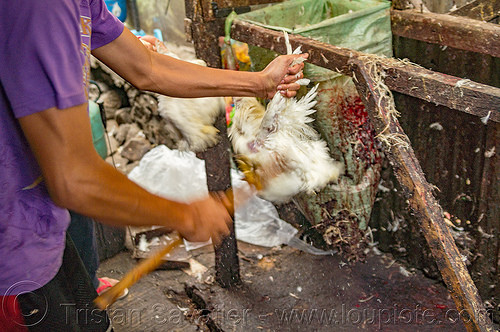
(458, 32)
(455, 93)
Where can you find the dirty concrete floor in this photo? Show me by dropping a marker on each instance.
(284, 290)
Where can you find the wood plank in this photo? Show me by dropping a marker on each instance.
(483, 10)
(419, 193)
(453, 92)
(462, 33)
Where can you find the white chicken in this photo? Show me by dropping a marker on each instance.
(192, 118)
(276, 148)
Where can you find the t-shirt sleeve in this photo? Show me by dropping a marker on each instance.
(105, 26)
(40, 55)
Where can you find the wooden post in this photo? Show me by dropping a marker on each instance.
(205, 31)
(429, 213)
(217, 164)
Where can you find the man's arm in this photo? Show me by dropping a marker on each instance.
(78, 179)
(163, 74)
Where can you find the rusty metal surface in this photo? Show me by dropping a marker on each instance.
(419, 193)
(481, 68)
(463, 33)
(453, 92)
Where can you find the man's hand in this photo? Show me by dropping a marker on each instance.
(279, 76)
(152, 43)
(206, 218)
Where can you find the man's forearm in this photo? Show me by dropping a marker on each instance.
(109, 196)
(178, 78)
(151, 71)
(78, 179)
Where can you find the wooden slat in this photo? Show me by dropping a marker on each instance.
(483, 10)
(458, 32)
(453, 92)
(419, 193)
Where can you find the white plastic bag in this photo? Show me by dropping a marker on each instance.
(257, 220)
(172, 174)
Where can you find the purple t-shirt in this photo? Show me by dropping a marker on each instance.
(44, 63)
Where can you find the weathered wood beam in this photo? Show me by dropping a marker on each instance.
(453, 92)
(217, 159)
(429, 212)
(483, 10)
(458, 32)
(217, 164)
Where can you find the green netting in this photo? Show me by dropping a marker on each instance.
(339, 211)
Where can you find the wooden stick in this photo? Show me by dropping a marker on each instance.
(154, 261)
(146, 266)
